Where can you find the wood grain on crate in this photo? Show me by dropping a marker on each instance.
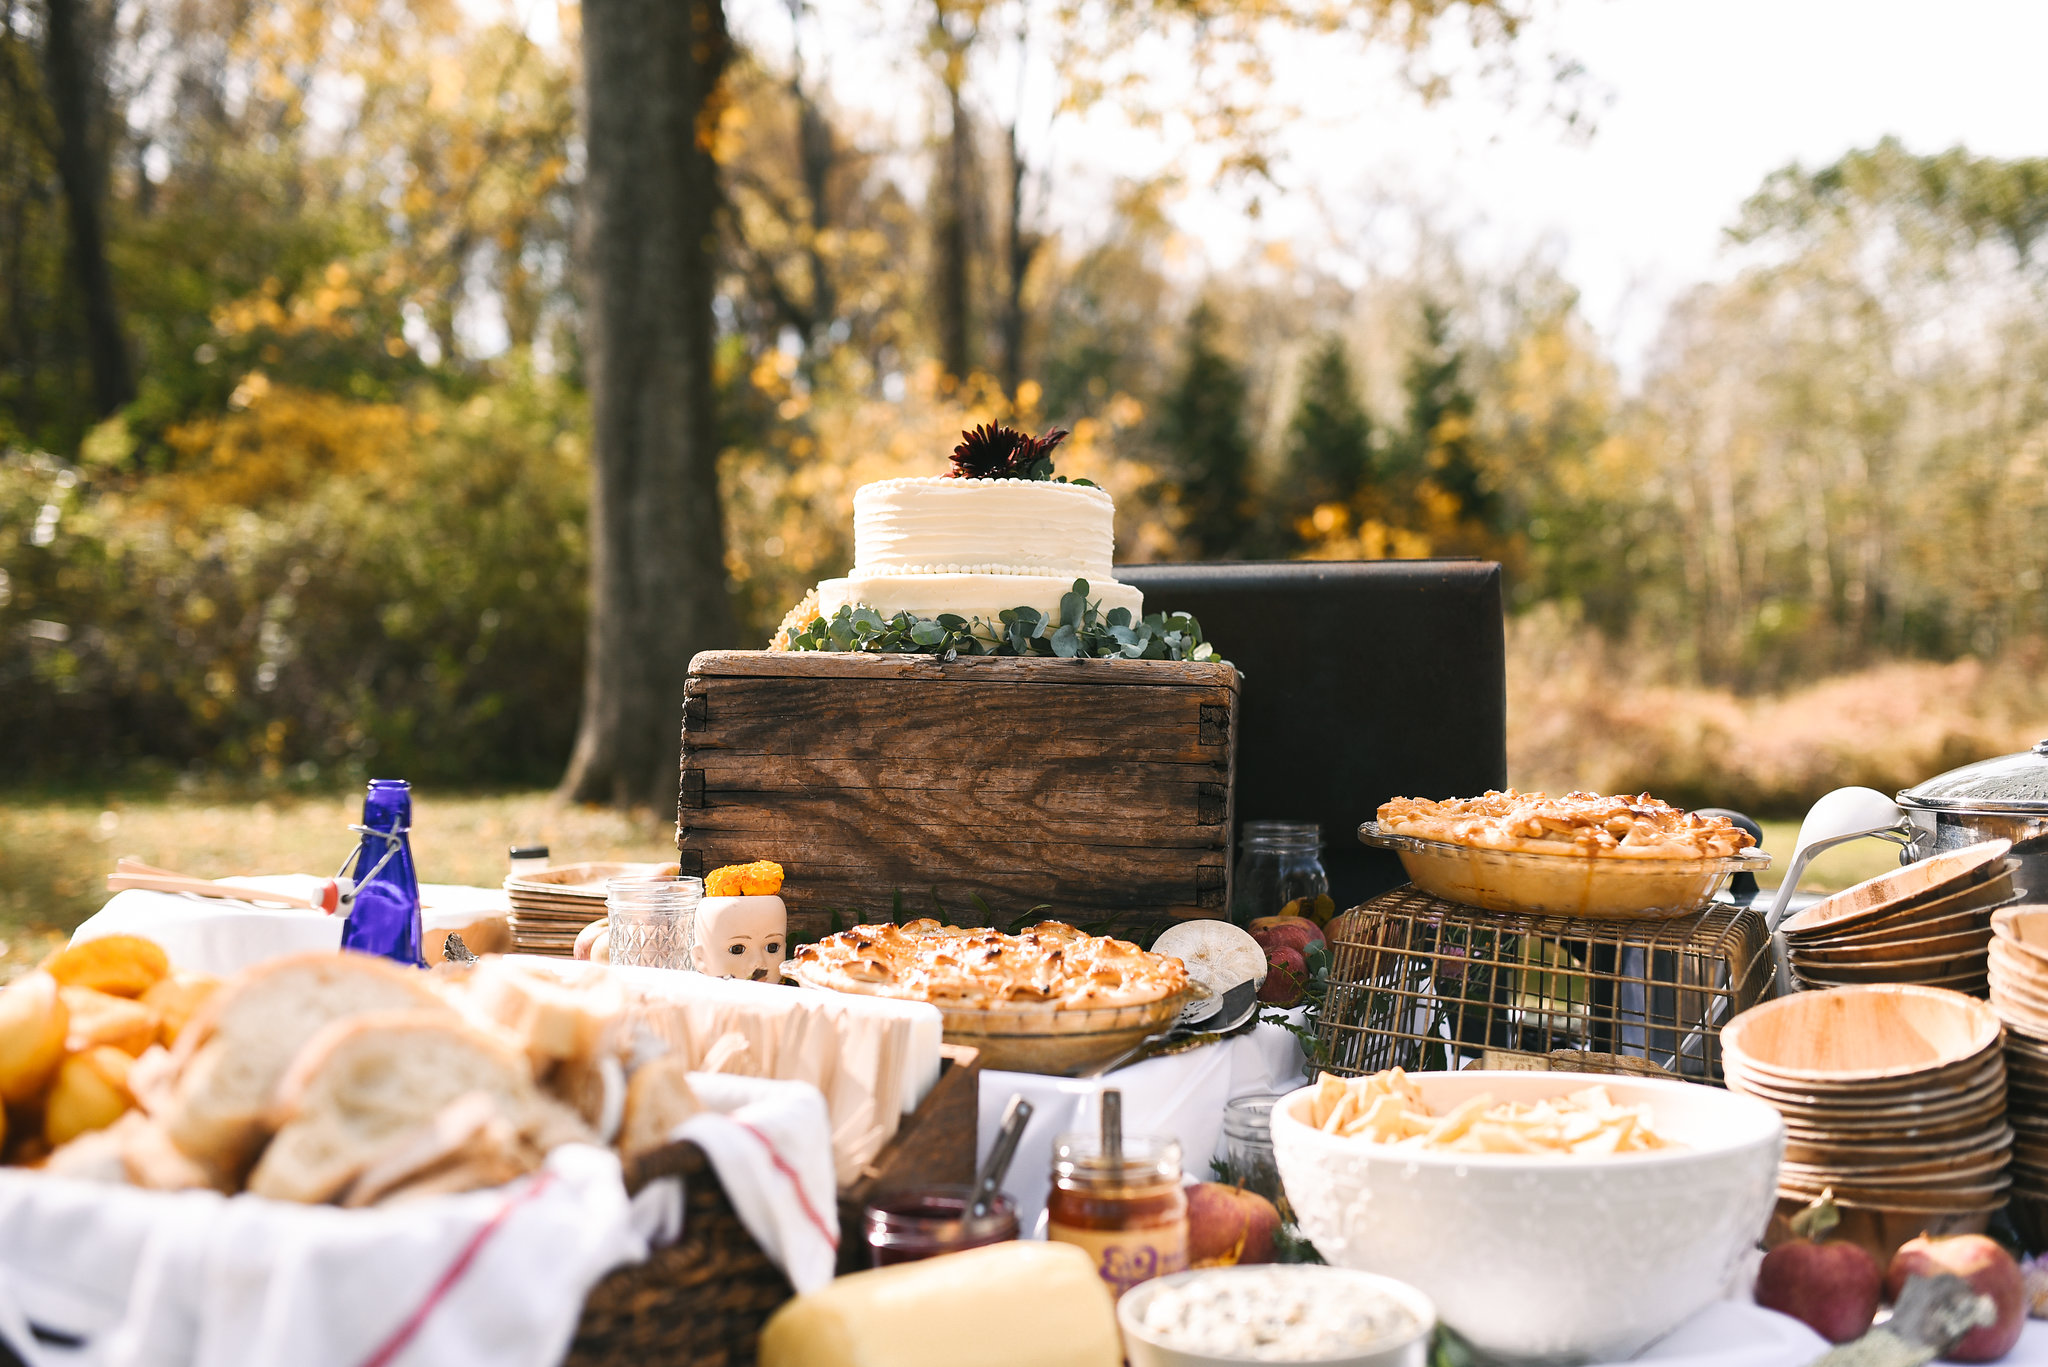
(1101, 787)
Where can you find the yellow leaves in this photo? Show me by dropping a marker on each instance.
(276, 443)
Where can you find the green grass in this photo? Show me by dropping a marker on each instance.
(56, 851)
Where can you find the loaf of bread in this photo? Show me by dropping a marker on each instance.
(232, 1055)
(365, 1085)
(1017, 1304)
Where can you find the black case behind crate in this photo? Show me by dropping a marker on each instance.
(1363, 680)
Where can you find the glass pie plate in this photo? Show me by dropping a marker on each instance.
(1035, 1038)
(1610, 887)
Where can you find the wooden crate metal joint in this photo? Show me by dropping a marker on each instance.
(1100, 787)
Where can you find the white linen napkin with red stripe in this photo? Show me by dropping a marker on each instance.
(95, 1275)
(771, 1144)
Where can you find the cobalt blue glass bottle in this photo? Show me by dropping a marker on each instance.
(385, 916)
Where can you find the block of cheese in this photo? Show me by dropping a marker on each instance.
(1019, 1304)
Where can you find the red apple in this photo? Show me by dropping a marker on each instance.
(1298, 931)
(1989, 1270)
(1287, 977)
(1229, 1225)
(1830, 1285)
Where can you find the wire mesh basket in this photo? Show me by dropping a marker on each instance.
(1421, 983)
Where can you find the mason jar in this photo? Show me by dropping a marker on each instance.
(653, 920)
(1280, 873)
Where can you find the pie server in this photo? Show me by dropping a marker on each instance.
(1233, 1007)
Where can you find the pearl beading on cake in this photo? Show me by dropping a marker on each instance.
(1033, 571)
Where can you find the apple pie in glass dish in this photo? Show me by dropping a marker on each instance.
(1616, 858)
(1050, 999)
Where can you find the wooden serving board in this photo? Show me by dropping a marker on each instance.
(934, 1146)
(1100, 787)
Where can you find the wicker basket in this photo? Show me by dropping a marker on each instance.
(700, 1302)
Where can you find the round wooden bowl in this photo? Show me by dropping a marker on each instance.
(2020, 1008)
(1975, 918)
(1985, 1106)
(1918, 1130)
(2024, 926)
(1971, 940)
(2018, 962)
(1859, 1033)
(1973, 905)
(1961, 1072)
(1983, 1167)
(2027, 1005)
(1963, 1199)
(1903, 1156)
(1975, 1083)
(1911, 885)
(1971, 961)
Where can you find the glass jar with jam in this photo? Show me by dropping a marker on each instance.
(923, 1222)
(1121, 1204)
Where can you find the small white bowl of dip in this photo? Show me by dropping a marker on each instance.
(1276, 1313)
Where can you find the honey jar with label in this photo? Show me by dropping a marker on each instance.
(1120, 1201)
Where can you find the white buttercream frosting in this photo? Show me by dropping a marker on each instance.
(983, 526)
(974, 547)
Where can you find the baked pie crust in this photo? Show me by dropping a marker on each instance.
(1051, 965)
(1583, 824)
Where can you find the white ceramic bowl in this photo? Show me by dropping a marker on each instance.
(1540, 1259)
(1410, 1350)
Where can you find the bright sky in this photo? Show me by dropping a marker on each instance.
(1695, 102)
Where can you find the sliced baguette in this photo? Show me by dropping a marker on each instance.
(658, 1098)
(231, 1056)
(362, 1086)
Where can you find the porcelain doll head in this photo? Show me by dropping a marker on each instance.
(741, 937)
(742, 926)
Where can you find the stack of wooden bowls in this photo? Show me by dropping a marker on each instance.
(1893, 1097)
(1927, 923)
(2019, 994)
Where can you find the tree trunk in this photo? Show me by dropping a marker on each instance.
(954, 246)
(76, 92)
(657, 564)
(1019, 247)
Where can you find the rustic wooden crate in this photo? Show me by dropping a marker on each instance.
(1099, 787)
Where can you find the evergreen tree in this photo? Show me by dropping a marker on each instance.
(1328, 455)
(1202, 428)
(1438, 445)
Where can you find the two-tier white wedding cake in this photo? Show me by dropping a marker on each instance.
(974, 547)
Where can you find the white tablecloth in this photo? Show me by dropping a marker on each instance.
(221, 936)
(1182, 1095)
(1728, 1334)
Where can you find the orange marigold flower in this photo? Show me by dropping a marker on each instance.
(762, 878)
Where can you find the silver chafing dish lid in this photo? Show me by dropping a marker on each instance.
(2011, 783)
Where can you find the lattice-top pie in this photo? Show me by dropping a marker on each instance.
(1639, 827)
(1051, 964)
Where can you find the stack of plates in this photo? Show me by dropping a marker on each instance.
(1893, 1097)
(2019, 994)
(1926, 923)
(551, 907)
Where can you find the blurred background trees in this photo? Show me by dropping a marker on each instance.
(322, 505)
